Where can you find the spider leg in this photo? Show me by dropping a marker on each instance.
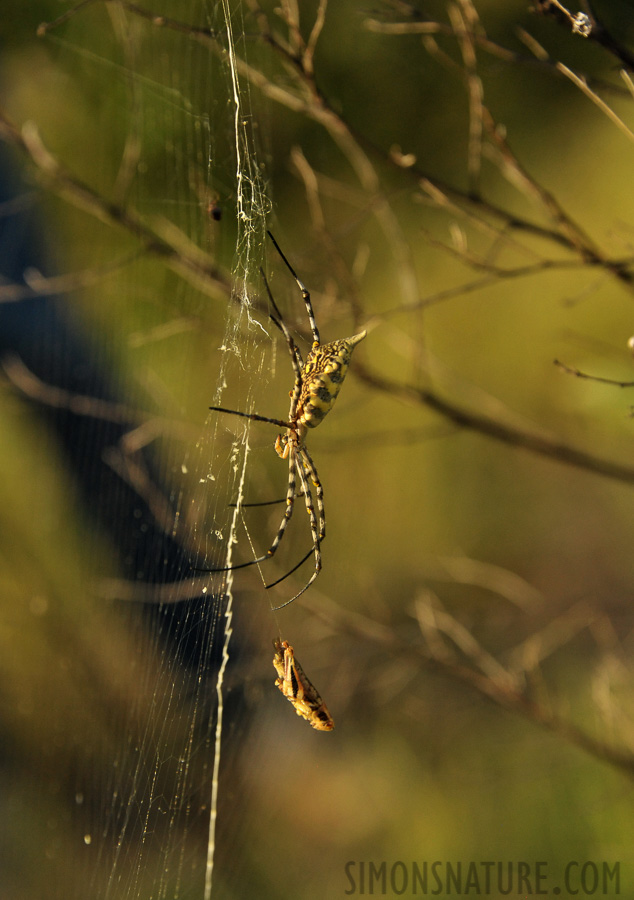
(253, 416)
(266, 503)
(290, 572)
(303, 289)
(290, 500)
(311, 468)
(293, 349)
(308, 500)
(278, 321)
(288, 512)
(317, 525)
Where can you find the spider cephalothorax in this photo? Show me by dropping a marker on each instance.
(317, 384)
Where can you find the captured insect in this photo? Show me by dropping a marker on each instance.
(317, 384)
(296, 687)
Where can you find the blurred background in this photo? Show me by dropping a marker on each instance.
(455, 178)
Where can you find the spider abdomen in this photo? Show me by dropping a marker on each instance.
(322, 376)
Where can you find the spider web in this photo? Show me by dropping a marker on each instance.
(190, 166)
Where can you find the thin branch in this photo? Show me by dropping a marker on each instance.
(159, 21)
(499, 690)
(506, 434)
(579, 374)
(590, 27)
(311, 187)
(37, 285)
(464, 26)
(173, 246)
(539, 58)
(583, 86)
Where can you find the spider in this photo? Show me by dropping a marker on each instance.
(317, 384)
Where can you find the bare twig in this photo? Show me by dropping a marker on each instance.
(503, 689)
(172, 246)
(472, 421)
(583, 86)
(588, 25)
(579, 374)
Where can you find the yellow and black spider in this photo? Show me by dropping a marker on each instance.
(317, 384)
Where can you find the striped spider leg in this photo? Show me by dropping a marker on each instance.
(294, 684)
(317, 384)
